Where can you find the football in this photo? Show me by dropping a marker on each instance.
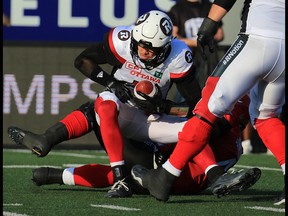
(146, 87)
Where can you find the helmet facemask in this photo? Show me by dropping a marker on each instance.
(149, 64)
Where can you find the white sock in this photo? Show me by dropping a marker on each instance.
(171, 169)
(68, 176)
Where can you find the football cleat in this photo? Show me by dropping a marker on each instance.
(280, 199)
(158, 181)
(47, 175)
(235, 181)
(120, 189)
(36, 143)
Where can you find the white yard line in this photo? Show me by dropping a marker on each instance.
(26, 151)
(266, 208)
(12, 204)
(121, 208)
(5, 213)
(28, 166)
(262, 168)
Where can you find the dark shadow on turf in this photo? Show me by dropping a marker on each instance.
(254, 196)
(77, 189)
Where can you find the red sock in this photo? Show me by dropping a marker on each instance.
(110, 131)
(93, 175)
(205, 158)
(193, 138)
(76, 124)
(272, 133)
(196, 132)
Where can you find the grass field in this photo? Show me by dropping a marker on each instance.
(22, 198)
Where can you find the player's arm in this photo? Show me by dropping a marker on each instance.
(88, 62)
(217, 12)
(210, 24)
(189, 88)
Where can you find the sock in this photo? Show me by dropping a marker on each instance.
(76, 124)
(205, 158)
(193, 138)
(119, 172)
(110, 131)
(272, 133)
(93, 175)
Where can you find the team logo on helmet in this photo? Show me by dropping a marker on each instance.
(166, 26)
(142, 18)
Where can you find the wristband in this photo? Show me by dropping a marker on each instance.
(100, 76)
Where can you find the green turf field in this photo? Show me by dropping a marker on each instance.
(22, 198)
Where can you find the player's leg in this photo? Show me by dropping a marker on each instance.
(218, 101)
(107, 107)
(76, 124)
(90, 175)
(136, 125)
(165, 129)
(267, 122)
(97, 175)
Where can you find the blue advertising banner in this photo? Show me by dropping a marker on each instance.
(72, 20)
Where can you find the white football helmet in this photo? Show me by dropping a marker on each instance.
(152, 30)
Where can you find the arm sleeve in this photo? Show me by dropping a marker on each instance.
(89, 60)
(189, 89)
(226, 4)
(173, 16)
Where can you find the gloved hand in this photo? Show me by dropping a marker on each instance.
(123, 90)
(162, 153)
(154, 104)
(205, 35)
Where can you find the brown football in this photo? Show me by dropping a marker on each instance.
(146, 87)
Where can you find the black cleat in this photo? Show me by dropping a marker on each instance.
(280, 199)
(36, 143)
(158, 181)
(46, 176)
(120, 189)
(235, 181)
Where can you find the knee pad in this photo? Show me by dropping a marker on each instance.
(88, 110)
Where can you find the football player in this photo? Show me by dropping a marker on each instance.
(254, 63)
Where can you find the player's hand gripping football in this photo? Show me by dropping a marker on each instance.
(123, 90)
(153, 104)
(205, 35)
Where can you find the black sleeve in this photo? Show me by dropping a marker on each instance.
(189, 89)
(99, 53)
(173, 15)
(226, 4)
(88, 61)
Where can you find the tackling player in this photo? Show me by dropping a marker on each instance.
(255, 62)
(226, 146)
